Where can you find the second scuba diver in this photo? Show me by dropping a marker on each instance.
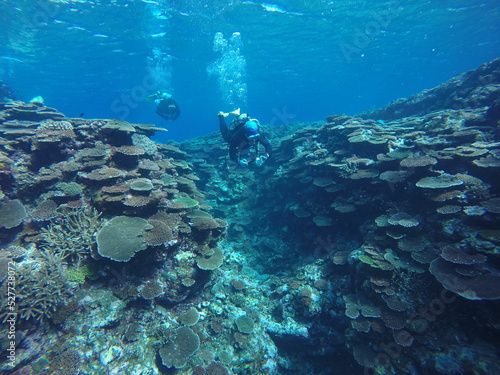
(243, 137)
(166, 106)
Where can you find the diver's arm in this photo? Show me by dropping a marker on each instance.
(224, 130)
(233, 151)
(266, 144)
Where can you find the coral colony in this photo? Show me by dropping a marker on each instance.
(368, 245)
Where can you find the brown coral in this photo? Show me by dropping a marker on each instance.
(417, 161)
(448, 195)
(136, 201)
(364, 173)
(322, 181)
(115, 189)
(440, 182)
(487, 162)
(403, 219)
(393, 176)
(46, 210)
(457, 256)
(103, 174)
(159, 234)
(448, 209)
(477, 285)
(492, 205)
(412, 243)
(151, 290)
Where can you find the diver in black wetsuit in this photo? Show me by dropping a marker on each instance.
(166, 106)
(244, 136)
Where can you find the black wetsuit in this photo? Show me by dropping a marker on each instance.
(168, 109)
(239, 145)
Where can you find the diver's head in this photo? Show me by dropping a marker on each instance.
(251, 129)
(243, 118)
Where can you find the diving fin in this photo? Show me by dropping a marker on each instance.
(236, 112)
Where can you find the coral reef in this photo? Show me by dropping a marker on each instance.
(81, 197)
(362, 246)
(401, 215)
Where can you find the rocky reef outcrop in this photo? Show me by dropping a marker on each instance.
(473, 89)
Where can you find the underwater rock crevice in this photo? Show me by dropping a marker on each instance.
(378, 202)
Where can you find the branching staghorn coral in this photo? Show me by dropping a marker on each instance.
(72, 235)
(40, 285)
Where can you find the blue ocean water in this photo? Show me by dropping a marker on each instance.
(292, 60)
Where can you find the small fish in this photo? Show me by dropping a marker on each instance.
(276, 8)
(76, 28)
(272, 8)
(11, 59)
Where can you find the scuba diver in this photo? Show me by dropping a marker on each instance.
(166, 106)
(244, 137)
(6, 93)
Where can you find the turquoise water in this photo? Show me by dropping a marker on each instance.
(293, 60)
